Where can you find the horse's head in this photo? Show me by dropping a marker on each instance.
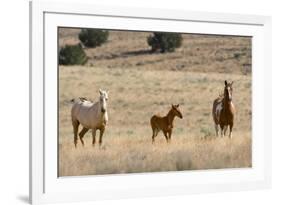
(103, 100)
(228, 90)
(176, 111)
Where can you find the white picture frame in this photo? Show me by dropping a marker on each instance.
(45, 186)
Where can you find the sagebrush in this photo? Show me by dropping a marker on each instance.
(72, 55)
(165, 42)
(93, 37)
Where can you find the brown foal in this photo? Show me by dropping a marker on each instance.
(165, 123)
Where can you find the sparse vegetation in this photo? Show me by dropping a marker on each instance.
(72, 55)
(198, 53)
(93, 37)
(165, 42)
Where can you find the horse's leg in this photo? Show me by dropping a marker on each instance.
(166, 136)
(82, 133)
(169, 135)
(222, 127)
(217, 129)
(94, 136)
(230, 130)
(101, 134)
(224, 130)
(75, 124)
(154, 134)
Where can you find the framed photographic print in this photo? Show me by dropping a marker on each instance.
(130, 102)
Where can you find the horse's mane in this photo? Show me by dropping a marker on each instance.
(221, 95)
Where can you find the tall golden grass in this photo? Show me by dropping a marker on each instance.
(127, 155)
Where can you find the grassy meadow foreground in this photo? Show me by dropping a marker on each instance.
(140, 85)
(134, 97)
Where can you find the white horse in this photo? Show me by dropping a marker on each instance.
(91, 116)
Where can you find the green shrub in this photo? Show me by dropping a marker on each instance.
(72, 55)
(93, 37)
(165, 42)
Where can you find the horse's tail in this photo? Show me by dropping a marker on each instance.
(81, 99)
(152, 119)
(214, 113)
(153, 122)
(214, 110)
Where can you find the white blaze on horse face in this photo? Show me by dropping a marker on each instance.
(229, 93)
(103, 99)
(232, 105)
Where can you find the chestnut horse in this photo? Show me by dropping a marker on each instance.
(223, 111)
(90, 115)
(165, 123)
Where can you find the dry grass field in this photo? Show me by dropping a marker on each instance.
(141, 84)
